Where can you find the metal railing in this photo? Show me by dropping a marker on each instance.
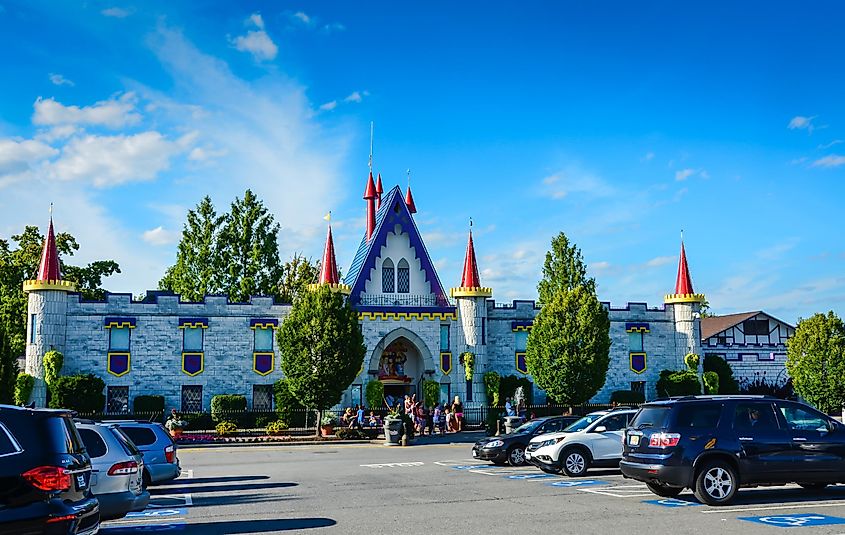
(408, 300)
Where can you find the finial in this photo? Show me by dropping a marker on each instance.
(51, 211)
(371, 145)
(409, 177)
(328, 217)
(682, 235)
(470, 224)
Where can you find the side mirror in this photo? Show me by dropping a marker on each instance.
(600, 429)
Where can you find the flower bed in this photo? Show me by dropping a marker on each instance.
(188, 439)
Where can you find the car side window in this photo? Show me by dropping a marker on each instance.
(93, 443)
(755, 417)
(8, 444)
(617, 422)
(551, 427)
(801, 419)
(140, 436)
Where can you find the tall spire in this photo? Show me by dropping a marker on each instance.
(379, 191)
(684, 292)
(50, 270)
(470, 281)
(328, 271)
(409, 197)
(370, 197)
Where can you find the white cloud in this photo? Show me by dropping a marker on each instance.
(660, 261)
(18, 156)
(575, 180)
(256, 42)
(58, 79)
(826, 146)
(113, 160)
(114, 113)
(303, 18)
(599, 266)
(333, 27)
(203, 154)
(117, 12)
(800, 122)
(160, 236)
(647, 157)
(684, 174)
(355, 96)
(329, 106)
(834, 160)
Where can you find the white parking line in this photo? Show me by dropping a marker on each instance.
(186, 474)
(770, 507)
(185, 498)
(394, 465)
(621, 491)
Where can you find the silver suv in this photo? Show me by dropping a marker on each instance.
(117, 466)
(160, 461)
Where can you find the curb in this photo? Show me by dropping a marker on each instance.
(280, 443)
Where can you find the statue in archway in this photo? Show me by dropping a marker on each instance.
(392, 361)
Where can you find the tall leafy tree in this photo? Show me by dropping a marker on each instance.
(199, 262)
(568, 351)
(8, 369)
(322, 349)
(296, 274)
(21, 263)
(815, 360)
(249, 250)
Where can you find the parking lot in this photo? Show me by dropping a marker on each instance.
(438, 488)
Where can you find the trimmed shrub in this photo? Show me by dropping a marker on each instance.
(431, 392)
(678, 383)
(53, 362)
(23, 388)
(223, 405)
(627, 397)
(711, 382)
(288, 408)
(146, 404)
(83, 393)
(375, 394)
(199, 421)
(692, 360)
(492, 381)
(509, 383)
(277, 428)
(226, 428)
(727, 383)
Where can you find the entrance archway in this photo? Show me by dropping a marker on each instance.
(401, 360)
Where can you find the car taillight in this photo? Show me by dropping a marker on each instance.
(48, 478)
(170, 453)
(65, 518)
(664, 440)
(122, 469)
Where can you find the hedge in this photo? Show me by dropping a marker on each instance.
(222, 405)
(727, 382)
(148, 404)
(627, 397)
(83, 393)
(23, 388)
(678, 383)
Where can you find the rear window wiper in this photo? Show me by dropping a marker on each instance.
(644, 425)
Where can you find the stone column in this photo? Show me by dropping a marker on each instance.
(50, 310)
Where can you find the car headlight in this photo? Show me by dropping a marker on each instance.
(494, 444)
(551, 442)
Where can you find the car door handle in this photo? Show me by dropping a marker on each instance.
(799, 439)
(746, 439)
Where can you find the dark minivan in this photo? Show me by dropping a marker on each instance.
(44, 475)
(716, 444)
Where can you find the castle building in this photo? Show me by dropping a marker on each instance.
(413, 328)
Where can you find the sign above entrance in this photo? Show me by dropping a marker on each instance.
(391, 366)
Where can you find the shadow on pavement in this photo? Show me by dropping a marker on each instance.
(775, 495)
(234, 527)
(240, 499)
(222, 479)
(219, 488)
(464, 437)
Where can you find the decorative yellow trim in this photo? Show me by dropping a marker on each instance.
(202, 362)
(255, 361)
(631, 362)
(683, 298)
(33, 285)
(407, 316)
(464, 291)
(128, 362)
(522, 328)
(193, 325)
(263, 326)
(516, 362)
(119, 325)
(444, 370)
(637, 330)
(344, 289)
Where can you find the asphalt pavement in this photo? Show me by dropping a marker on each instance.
(438, 488)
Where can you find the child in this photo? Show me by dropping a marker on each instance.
(447, 420)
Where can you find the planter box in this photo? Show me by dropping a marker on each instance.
(392, 431)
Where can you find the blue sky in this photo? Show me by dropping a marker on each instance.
(617, 123)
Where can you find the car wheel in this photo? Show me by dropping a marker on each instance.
(664, 491)
(716, 483)
(147, 480)
(516, 455)
(575, 462)
(813, 486)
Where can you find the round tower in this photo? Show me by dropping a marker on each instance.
(471, 299)
(685, 305)
(46, 315)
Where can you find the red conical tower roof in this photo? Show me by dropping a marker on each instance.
(370, 192)
(379, 191)
(409, 201)
(470, 278)
(684, 292)
(49, 270)
(328, 271)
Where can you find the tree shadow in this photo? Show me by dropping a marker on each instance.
(198, 489)
(240, 499)
(235, 527)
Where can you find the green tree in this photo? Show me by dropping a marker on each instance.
(21, 263)
(198, 267)
(322, 348)
(8, 369)
(727, 382)
(568, 351)
(83, 393)
(296, 274)
(815, 360)
(249, 250)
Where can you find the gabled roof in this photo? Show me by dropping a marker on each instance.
(715, 324)
(393, 211)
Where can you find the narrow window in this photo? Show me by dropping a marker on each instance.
(638, 387)
(263, 339)
(403, 277)
(117, 400)
(192, 339)
(521, 341)
(33, 327)
(191, 398)
(469, 390)
(387, 278)
(483, 331)
(262, 398)
(444, 337)
(635, 342)
(119, 338)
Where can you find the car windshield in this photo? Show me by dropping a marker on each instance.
(580, 425)
(528, 427)
(655, 416)
(127, 444)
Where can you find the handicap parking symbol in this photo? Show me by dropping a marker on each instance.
(151, 528)
(157, 513)
(576, 483)
(529, 476)
(795, 521)
(671, 502)
(473, 467)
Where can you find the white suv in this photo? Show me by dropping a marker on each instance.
(593, 441)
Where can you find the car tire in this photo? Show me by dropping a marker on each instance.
(575, 461)
(516, 455)
(716, 483)
(813, 486)
(146, 480)
(664, 491)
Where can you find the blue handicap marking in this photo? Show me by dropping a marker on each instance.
(529, 476)
(148, 528)
(576, 483)
(671, 502)
(158, 513)
(473, 466)
(795, 521)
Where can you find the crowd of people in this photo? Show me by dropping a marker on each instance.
(442, 418)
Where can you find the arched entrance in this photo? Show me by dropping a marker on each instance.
(401, 361)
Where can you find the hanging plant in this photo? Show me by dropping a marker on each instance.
(469, 361)
(53, 362)
(492, 380)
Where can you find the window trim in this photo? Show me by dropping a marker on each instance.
(12, 439)
(406, 267)
(387, 264)
(33, 328)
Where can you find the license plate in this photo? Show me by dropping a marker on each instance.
(474, 453)
(634, 440)
(80, 482)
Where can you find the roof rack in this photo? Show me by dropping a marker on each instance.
(719, 396)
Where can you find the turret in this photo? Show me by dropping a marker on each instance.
(471, 300)
(685, 305)
(370, 197)
(409, 201)
(379, 191)
(328, 269)
(46, 314)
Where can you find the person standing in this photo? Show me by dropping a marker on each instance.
(458, 411)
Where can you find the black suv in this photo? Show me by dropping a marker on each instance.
(716, 444)
(44, 475)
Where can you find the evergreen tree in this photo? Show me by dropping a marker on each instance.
(568, 351)
(296, 274)
(249, 250)
(322, 348)
(815, 360)
(8, 369)
(198, 267)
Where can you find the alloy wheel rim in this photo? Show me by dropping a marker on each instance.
(518, 455)
(718, 483)
(575, 463)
